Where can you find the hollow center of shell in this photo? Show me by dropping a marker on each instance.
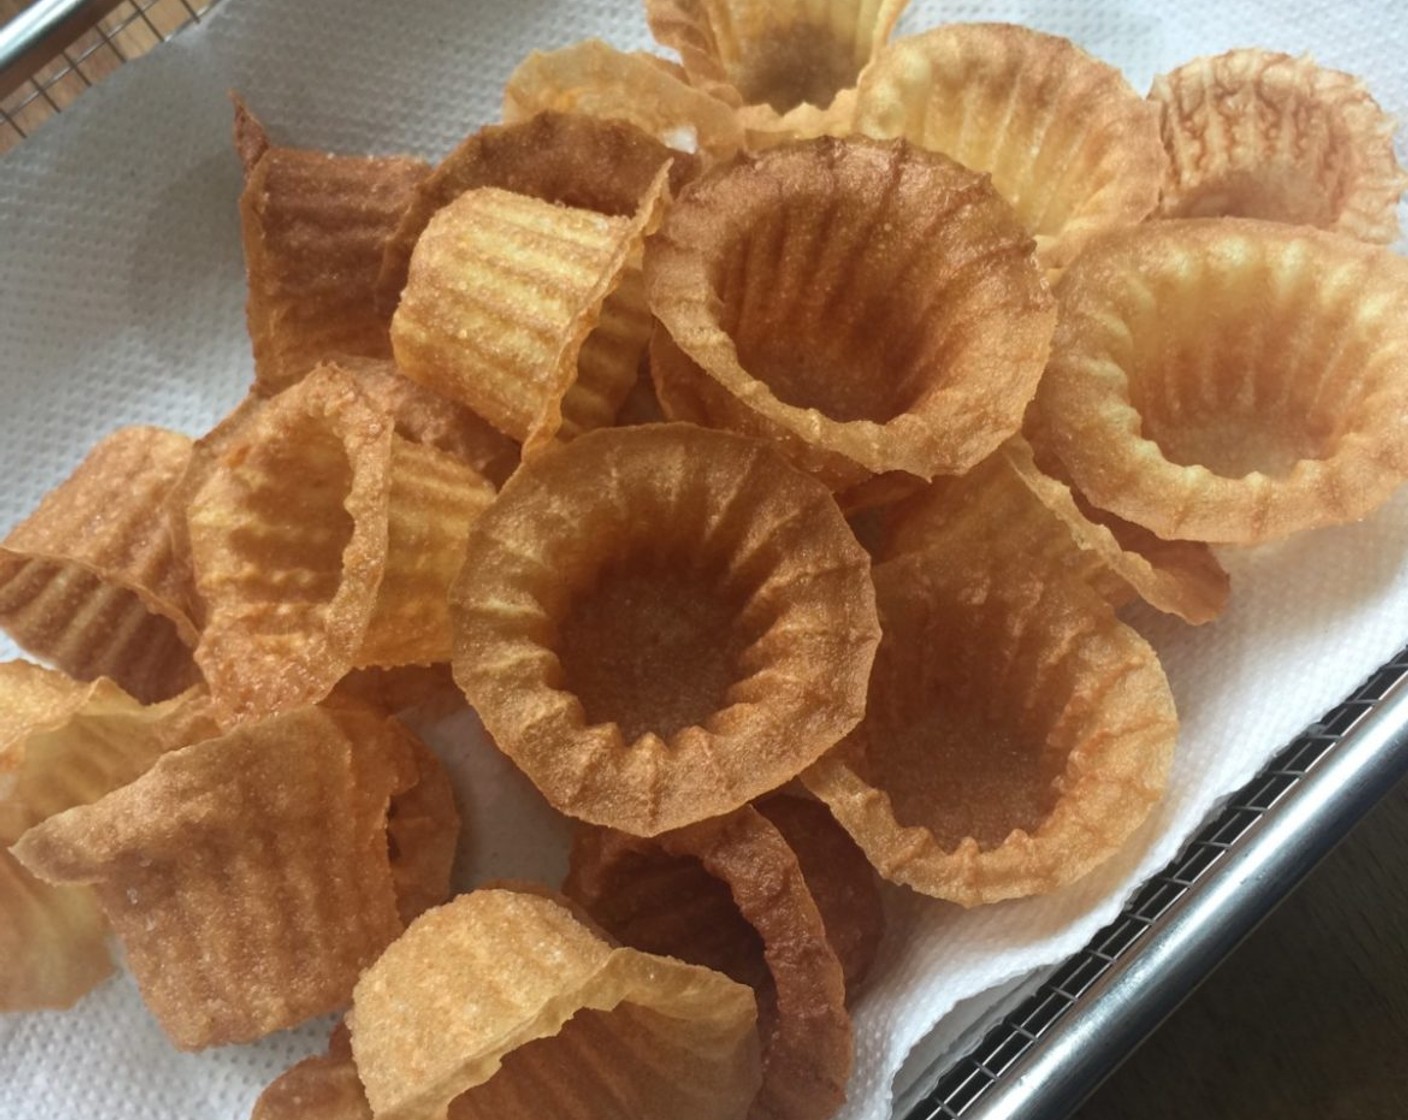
(959, 771)
(803, 63)
(652, 648)
(1248, 377)
(821, 311)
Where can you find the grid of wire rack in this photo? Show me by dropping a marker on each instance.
(120, 32)
(968, 1078)
(125, 31)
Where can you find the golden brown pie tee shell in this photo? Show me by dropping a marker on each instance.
(870, 306)
(659, 623)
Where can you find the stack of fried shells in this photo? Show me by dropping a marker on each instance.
(1033, 406)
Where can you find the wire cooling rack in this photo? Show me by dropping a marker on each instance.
(1046, 1056)
(1041, 1058)
(55, 50)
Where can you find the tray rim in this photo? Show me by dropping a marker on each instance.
(1046, 1055)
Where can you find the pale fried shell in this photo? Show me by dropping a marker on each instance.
(1231, 380)
(72, 743)
(502, 1004)
(783, 61)
(53, 941)
(315, 226)
(871, 306)
(595, 79)
(659, 623)
(502, 293)
(321, 542)
(90, 581)
(247, 876)
(656, 895)
(64, 743)
(324, 1087)
(1066, 139)
(1017, 734)
(588, 163)
(1257, 134)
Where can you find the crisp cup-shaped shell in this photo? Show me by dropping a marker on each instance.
(785, 61)
(247, 876)
(594, 79)
(502, 1004)
(315, 227)
(423, 827)
(1009, 507)
(288, 535)
(502, 293)
(660, 623)
(89, 580)
(1231, 380)
(64, 743)
(1017, 733)
(322, 541)
(874, 305)
(588, 163)
(763, 928)
(1067, 140)
(1257, 134)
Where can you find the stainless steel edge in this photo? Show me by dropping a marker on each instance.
(1140, 989)
(41, 33)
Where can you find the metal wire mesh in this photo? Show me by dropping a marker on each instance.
(130, 30)
(966, 1080)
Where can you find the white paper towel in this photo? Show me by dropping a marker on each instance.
(121, 302)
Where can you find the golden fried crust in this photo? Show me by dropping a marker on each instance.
(1017, 733)
(502, 1005)
(762, 928)
(588, 163)
(90, 580)
(660, 623)
(870, 306)
(1012, 508)
(1229, 380)
(1257, 134)
(247, 876)
(315, 228)
(1066, 139)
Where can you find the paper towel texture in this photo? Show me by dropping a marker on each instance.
(121, 301)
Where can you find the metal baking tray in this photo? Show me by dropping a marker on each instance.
(1040, 1047)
